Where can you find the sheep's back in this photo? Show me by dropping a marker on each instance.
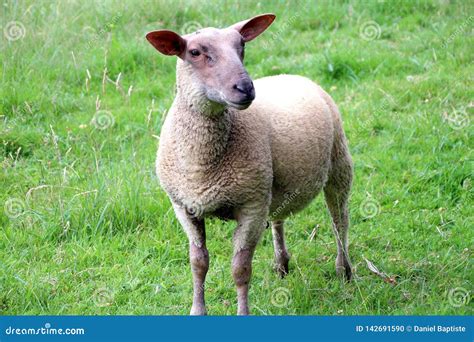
(302, 133)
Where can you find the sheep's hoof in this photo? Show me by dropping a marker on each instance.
(344, 270)
(243, 311)
(281, 267)
(198, 311)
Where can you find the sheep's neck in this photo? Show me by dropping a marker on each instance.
(203, 127)
(202, 139)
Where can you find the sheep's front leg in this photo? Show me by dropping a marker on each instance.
(198, 256)
(251, 224)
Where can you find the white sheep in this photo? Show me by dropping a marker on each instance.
(247, 151)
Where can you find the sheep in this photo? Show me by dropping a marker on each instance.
(248, 151)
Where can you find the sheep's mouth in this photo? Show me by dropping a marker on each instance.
(240, 105)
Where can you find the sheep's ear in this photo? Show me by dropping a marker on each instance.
(252, 28)
(167, 42)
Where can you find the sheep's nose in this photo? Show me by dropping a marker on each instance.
(245, 86)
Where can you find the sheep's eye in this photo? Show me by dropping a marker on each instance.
(194, 52)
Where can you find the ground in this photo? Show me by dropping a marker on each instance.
(85, 228)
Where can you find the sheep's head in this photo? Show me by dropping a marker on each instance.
(213, 58)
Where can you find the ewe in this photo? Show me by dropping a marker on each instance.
(248, 151)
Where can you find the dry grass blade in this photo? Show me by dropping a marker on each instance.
(386, 278)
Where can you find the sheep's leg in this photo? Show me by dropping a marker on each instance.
(282, 257)
(242, 272)
(338, 207)
(336, 193)
(251, 224)
(198, 256)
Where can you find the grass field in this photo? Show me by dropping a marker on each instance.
(85, 228)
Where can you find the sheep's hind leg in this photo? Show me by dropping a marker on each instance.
(198, 256)
(282, 257)
(336, 193)
(251, 224)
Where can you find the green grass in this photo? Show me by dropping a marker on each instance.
(96, 234)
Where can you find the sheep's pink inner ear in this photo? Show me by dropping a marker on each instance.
(167, 42)
(252, 28)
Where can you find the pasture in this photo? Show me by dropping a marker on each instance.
(86, 229)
